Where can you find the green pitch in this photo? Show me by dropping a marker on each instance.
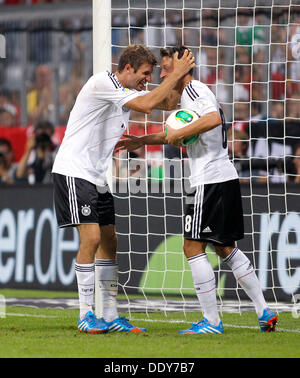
(49, 333)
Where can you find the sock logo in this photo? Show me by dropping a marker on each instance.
(87, 291)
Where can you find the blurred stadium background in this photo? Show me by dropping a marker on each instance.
(247, 51)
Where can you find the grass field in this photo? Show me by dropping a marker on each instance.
(52, 333)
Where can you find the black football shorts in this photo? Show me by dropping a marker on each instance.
(214, 213)
(78, 201)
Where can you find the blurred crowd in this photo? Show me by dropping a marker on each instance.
(248, 58)
(32, 2)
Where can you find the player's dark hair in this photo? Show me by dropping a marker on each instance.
(136, 55)
(170, 51)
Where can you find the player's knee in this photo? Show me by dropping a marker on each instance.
(91, 242)
(193, 247)
(223, 251)
(185, 249)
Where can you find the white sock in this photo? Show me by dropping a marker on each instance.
(85, 274)
(205, 286)
(107, 278)
(244, 273)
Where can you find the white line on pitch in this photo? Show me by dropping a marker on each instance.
(159, 321)
(31, 315)
(225, 325)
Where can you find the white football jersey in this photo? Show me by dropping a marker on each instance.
(208, 156)
(97, 122)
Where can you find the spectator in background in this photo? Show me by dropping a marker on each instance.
(293, 57)
(12, 2)
(31, 2)
(8, 115)
(4, 97)
(296, 163)
(39, 98)
(241, 116)
(10, 108)
(36, 163)
(293, 107)
(241, 89)
(244, 27)
(259, 87)
(7, 166)
(277, 110)
(68, 93)
(208, 65)
(223, 87)
(257, 114)
(238, 144)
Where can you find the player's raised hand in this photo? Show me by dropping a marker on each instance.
(183, 65)
(130, 143)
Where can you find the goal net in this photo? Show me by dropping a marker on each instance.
(247, 52)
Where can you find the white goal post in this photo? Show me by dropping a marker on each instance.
(247, 52)
(101, 62)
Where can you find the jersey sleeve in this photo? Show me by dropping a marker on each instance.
(106, 87)
(203, 99)
(204, 106)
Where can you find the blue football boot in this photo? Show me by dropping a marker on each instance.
(121, 324)
(90, 324)
(203, 327)
(268, 321)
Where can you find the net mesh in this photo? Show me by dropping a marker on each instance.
(248, 53)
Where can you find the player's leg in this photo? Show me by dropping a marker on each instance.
(106, 269)
(202, 272)
(203, 278)
(75, 207)
(232, 229)
(106, 266)
(244, 273)
(89, 235)
(107, 278)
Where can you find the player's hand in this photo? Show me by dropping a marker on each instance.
(130, 143)
(183, 65)
(172, 137)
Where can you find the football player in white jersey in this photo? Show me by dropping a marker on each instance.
(97, 121)
(214, 211)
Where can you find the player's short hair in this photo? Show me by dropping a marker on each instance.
(170, 51)
(136, 55)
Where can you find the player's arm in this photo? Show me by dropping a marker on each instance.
(205, 123)
(170, 102)
(132, 142)
(151, 100)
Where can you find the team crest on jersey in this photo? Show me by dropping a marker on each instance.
(86, 210)
(125, 90)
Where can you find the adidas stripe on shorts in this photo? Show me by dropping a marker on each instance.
(214, 213)
(78, 201)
